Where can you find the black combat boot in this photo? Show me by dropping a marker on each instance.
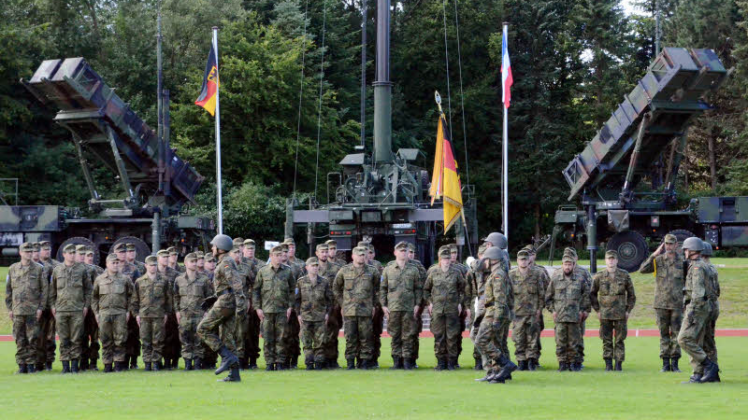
(39, 367)
(666, 365)
(148, 367)
(674, 365)
(532, 364)
(309, 362)
(252, 363)
(243, 363)
(359, 363)
(118, 366)
(608, 365)
(65, 366)
(189, 364)
(84, 363)
(74, 366)
(93, 364)
(281, 366)
(694, 379)
(133, 362)
(49, 366)
(233, 375)
(576, 367)
(563, 367)
(228, 359)
(507, 367)
(408, 363)
(198, 364)
(30, 368)
(270, 367)
(619, 365)
(711, 371)
(478, 364)
(351, 363)
(157, 366)
(397, 363)
(293, 363)
(452, 363)
(107, 367)
(320, 365)
(522, 366)
(333, 364)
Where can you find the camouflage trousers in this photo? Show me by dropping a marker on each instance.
(217, 328)
(567, 341)
(417, 334)
(291, 339)
(359, 337)
(172, 346)
(691, 336)
(26, 333)
(669, 323)
(541, 327)
(488, 335)
(463, 324)
(447, 333)
(580, 344)
(132, 343)
(613, 333)
(70, 331)
(252, 339)
(90, 337)
(191, 346)
(313, 336)
(401, 326)
(477, 353)
(242, 330)
(525, 333)
(152, 338)
(273, 336)
(710, 345)
(113, 333)
(334, 324)
(46, 344)
(377, 328)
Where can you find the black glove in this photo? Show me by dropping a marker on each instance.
(208, 303)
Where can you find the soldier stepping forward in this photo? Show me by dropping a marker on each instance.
(112, 302)
(313, 303)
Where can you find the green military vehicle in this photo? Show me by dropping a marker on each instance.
(625, 178)
(156, 184)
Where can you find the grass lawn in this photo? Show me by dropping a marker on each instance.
(640, 392)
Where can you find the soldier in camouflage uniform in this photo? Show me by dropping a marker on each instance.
(70, 300)
(190, 290)
(292, 339)
(667, 266)
(496, 239)
(132, 253)
(699, 294)
(329, 270)
(710, 345)
(200, 261)
(174, 260)
(541, 271)
(444, 291)
(47, 347)
(210, 357)
(499, 301)
(400, 294)
(172, 348)
(356, 289)
(568, 299)
(25, 299)
(273, 299)
(252, 337)
(475, 285)
(419, 315)
(130, 271)
(612, 296)
(247, 278)
(90, 327)
(378, 321)
(313, 303)
(529, 296)
(332, 252)
(86, 342)
(152, 301)
(586, 277)
(112, 303)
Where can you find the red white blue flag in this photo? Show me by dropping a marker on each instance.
(506, 71)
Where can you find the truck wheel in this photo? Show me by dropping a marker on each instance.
(79, 240)
(631, 247)
(141, 248)
(682, 235)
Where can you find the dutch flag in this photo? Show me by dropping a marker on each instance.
(506, 71)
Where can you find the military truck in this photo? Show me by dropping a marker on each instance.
(381, 195)
(624, 181)
(156, 185)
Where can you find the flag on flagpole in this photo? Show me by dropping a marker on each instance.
(506, 71)
(207, 98)
(445, 181)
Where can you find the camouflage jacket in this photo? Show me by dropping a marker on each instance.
(179, 268)
(152, 298)
(584, 274)
(25, 289)
(313, 300)
(170, 274)
(445, 291)
(129, 270)
(357, 289)
(567, 296)
(190, 294)
(228, 285)
(274, 288)
(94, 271)
(140, 267)
(70, 289)
(669, 280)
(698, 288)
(378, 265)
(112, 295)
(499, 294)
(612, 295)
(529, 291)
(475, 289)
(247, 277)
(714, 278)
(329, 269)
(400, 289)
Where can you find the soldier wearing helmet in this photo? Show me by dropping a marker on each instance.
(710, 346)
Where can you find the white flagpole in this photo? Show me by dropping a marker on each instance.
(505, 160)
(218, 137)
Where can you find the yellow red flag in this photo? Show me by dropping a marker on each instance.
(445, 181)
(207, 98)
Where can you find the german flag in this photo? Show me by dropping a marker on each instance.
(445, 181)
(207, 98)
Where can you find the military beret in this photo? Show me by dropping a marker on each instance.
(401, 245)
(238, 241)
(671, 239)
(130, 247)
(444, 252)
(249, 242)
(163, 253)
(69, 248)
(81, 249)
(322, 247)
(611, 254)
(151, 260)
(45, 244)
(28, 247)
(112, 258)
(278, 248)
(332, 243)
(360, 250)
(120, 247)
(289, 241)
(312, 261)
(523, 254)
(191, 256)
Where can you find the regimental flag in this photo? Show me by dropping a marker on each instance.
(506, 71)
(445, 181)
(207, 98)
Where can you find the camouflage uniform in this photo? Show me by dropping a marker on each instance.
(699, 294)
(313, 303)
(217, 327)
(463, 269)
(529, 295)
(357, 292)
(132, 345)
(567, 296)
(292, 337)
(25, 294)
(401, 291)
(499, 302)
(541, 322)
(329, 270)
(91, 328)
(112, 300)
(172, 347)
(189, 295)
(247, 278)
(252, 337)
(69, 294)
(710, 346)
(586, 277)
(47, 346)
(273, 294)
(445, 291)
(668, 300)
(152, 301)
(612, 295)
(475, 287)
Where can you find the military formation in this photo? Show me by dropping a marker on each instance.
(219, 303)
